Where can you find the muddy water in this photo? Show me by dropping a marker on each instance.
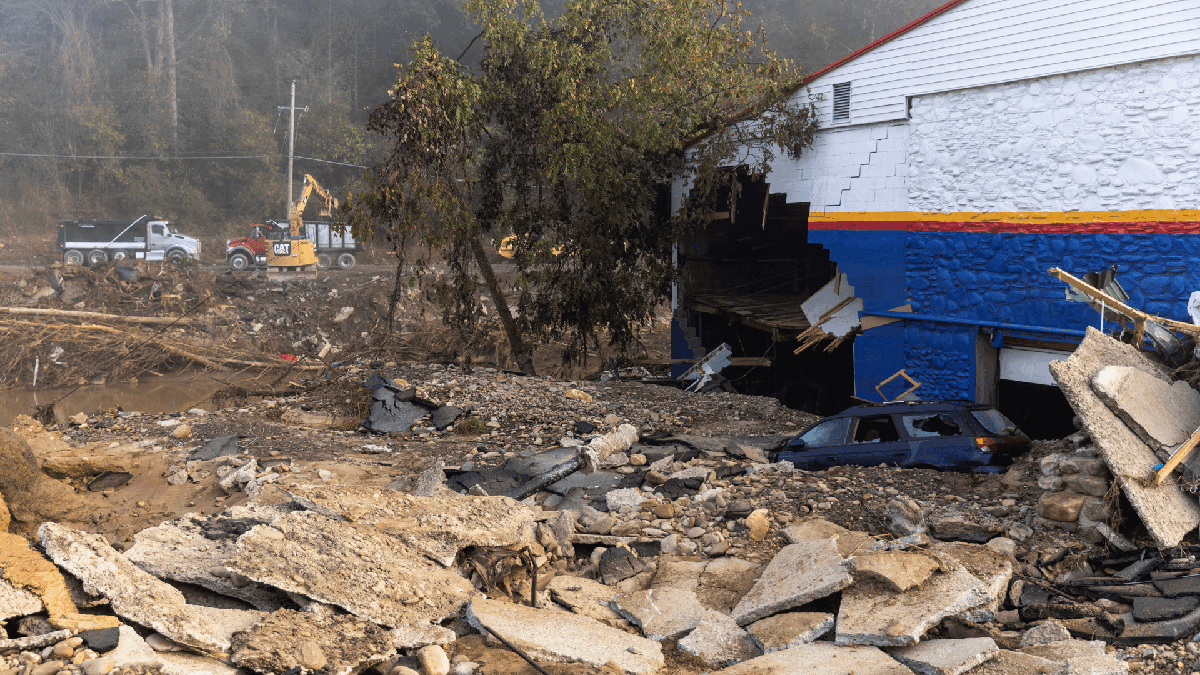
(152, 394)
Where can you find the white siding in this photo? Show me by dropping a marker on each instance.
(859, 168)
(984, 42)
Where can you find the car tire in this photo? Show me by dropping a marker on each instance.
(97, 257)
(345, 261)
(73, 257)
(323, 261)
(238, 262)
(176, 256)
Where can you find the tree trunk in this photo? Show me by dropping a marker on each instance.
(172, 98)
(515, 342)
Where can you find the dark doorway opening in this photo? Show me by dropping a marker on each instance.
(1040, 410)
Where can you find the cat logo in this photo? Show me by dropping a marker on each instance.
(282, 248)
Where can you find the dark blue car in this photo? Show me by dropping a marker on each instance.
(951, 435)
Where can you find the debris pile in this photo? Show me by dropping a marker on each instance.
(1077, 494)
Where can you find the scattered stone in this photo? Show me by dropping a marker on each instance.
(872, 615)
(904, 516)
(896, 570)
(946, 657)
(719, 642)
(134, 595)
(1061, 506)
(625, 497)
(820, 658)
(1044, 633)
(100, 640)
(337, 645)
(797, 574)
(100, 666)
(661, 613)
(433, 660)
(955, 526)
(758, 524)
(182, 431)
(445, 416)
(416, 636)
(789, 629)
(618, 564)
(565, 637)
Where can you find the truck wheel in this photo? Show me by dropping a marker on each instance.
(73, 257)
(346, 261)
(119, 255)
(176, 256)
(97, 257)
(323, 261)
(238, 262)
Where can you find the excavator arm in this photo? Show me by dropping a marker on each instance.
(295, 222)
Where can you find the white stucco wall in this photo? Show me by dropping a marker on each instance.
(1118, 138)
(859, 168)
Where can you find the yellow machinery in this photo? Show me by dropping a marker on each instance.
(296, 253)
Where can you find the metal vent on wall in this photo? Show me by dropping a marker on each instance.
(841, 102)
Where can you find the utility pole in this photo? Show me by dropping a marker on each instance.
(291, 146)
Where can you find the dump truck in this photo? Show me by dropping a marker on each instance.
(333, 242)
(95, 242)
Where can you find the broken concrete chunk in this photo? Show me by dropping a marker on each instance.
(182, 663)
(438, 526)
(337, 645)
(872, 615)
(1162, 631)
(1007, 662)
(618, 564)
(797, 574)
(848, 543)
(1103, 664)
(192, 549)
(661, 613)
(16, 602)
(564, 637)
(820, 658)
(415, 636)
(1162, 413)
(790, 629)
(904, 516)
(133, 652)
(588, 598)
(624, 497)
(719, 642)
(134, 594)
(896, 570)
(1045, 633)
(1167, 512)
(1062, 650)
(379, 578)
(993, 568)
(240, 478)
(1148, 610)
(719, 584)
(946, 657)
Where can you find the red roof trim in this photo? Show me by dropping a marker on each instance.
(886, 38)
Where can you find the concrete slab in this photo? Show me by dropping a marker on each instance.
(1163, 609)
(946, 657)
(1161, 631)
(563, 637)
(16, 602)
(377, 577)
(438, 525)
(1065, 649)
(588, 598)
(1162, 413)
(661, 613)
(1167, 512)
(193, 548)
(895, 570)
(848, 543)
(134, 595)
(719, 642)
(872, 615)
(820, 658)
(182, 663)
(993, 568)
(1007, 662)
(1096, 665)
(789, 629)
(288, 639)
(719, 584)
(797, 574)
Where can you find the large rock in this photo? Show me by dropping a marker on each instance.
(588, 598)
(946, 657)
(1167, 512)
(820, 658)
(359, 568)
(797, 574)
(896, 570)
(192, 549)
(719, 584)
(661, 613)
(439, 525)
(789, 629)
(1061, 506)
(719, 642)
(563, 637)
(31, 497)
(133, 594)
(872, 615)
(1162, 413)
(286, 639)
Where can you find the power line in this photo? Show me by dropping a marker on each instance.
(310, 159)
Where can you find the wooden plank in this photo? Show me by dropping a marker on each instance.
(1181, 454)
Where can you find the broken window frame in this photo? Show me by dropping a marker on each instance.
(872, 420)
(909, 424)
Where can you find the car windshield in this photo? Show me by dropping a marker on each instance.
(826, 434)
(930, 426)
(994, 422)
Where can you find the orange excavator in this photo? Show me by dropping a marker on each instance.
(296, 253)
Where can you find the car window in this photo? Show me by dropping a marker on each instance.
(877, 429)
(930, 425)
(827, 434)
(993, 421)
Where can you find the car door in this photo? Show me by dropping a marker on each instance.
(937, 439)
(819, 447)
(875, 441)
(158, 242)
